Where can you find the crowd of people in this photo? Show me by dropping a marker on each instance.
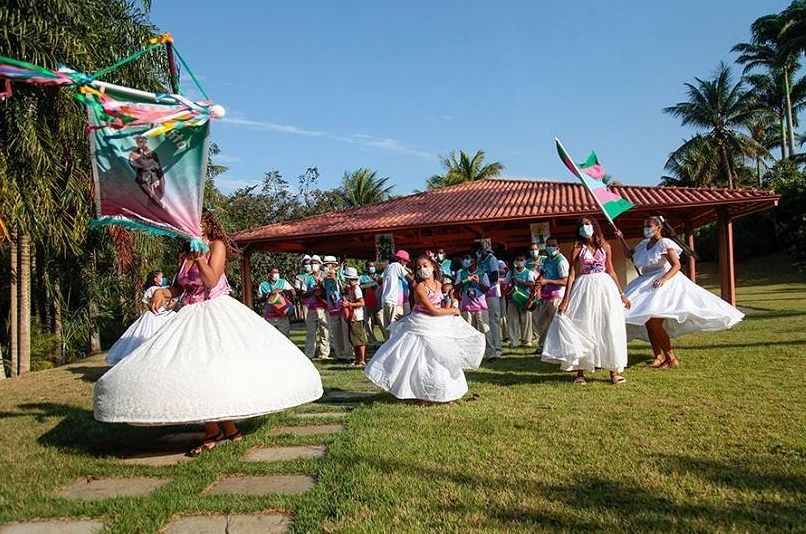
(215, 361)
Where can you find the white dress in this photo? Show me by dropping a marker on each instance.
(425, 355)
(684, 306)
(590, 335)
(216, 360)
(140, 331)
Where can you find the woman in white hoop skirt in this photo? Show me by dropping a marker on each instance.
(146, 326)
(587, 333)
(426, 351)
(217, 361)
(665, 302)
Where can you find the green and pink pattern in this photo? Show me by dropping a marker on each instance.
(611, 204)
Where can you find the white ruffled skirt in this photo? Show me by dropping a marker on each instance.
(684, 306)
(138, 333)
(591, 334)
(216, 360)
(424, 357)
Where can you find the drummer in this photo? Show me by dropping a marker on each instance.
(555, 271)
(520, 283)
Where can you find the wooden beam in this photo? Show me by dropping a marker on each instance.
(691, 265)
(246, 278)
(727, 274)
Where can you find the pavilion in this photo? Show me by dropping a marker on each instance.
(502, 210)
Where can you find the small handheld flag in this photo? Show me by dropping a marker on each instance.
(610, 203)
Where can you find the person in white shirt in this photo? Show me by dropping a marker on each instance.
(353, 301)
(392, 289)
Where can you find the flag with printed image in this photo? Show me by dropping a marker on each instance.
(590, 174)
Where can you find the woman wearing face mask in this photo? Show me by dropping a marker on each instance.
(588, 331)
(665, 302)
(426, 352)
(275, 294)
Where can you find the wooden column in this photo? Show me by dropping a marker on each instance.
(727, 274)
(246, 279)
(691, 265)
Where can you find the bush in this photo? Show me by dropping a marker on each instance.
(790, 216)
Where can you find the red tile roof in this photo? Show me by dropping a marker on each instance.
(501, 200)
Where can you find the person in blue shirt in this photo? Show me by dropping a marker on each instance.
(445, 264)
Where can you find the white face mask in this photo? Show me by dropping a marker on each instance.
(316, 267)
(441, 257)
(648, 231)
(275, 276)
(425, 273)
(586, 230)
(307, 268)
(466, 263)
(520, 263)
(371, 270)
(534, 253)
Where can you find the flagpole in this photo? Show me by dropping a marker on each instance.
(598, 203)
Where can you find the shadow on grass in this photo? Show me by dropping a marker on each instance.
(746, 345)
(775, 315)
(624, 505)
(89, 373)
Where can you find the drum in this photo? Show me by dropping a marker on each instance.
(524, 298)
(281, 305)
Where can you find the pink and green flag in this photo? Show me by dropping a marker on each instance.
(611, 204)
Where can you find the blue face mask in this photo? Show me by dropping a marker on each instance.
(648, 231)
(372, 270)
(551, 251)
(440, 257)
(466, 263)
(586, 230)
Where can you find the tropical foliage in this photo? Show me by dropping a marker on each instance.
(461, 168)
(363, 186)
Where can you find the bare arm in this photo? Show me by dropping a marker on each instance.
(628, 251)
(421, 298)
(612, 272)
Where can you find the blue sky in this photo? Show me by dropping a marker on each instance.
(390, 85)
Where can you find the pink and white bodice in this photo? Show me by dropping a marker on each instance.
(193, 287)
(592, 262)
(434, 297)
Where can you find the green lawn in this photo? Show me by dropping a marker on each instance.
(718, 445)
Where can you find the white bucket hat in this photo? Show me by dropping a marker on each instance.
(330, 259)
(350, 273)
(316, 258)
(305, 258)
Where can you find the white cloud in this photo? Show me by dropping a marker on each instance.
(224, 158)
(368, 141)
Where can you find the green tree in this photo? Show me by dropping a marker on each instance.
(720, 108)
(767, 52)
(793, 30)
(363, 186)
(461, 168)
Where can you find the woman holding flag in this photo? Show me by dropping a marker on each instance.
(588, 331)
(665, 302)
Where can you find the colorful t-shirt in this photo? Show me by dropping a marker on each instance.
(307, 282)
(473, 298)
(333, 295)
(266, 288)
(392, 292)
(554, 269)
(525, 275)
(354, 294)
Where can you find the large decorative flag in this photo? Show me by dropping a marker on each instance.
(149, 151)
(611, 204)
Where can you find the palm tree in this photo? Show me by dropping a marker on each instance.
(461, 168)
(720, 108)
(766, 52)
(793, 30)
(694, 164)
(362, 187)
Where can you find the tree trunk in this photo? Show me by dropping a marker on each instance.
(782, 120)
(95, 333)
(41, 289)
(57, 326)
(789, 120)
(14, 340)
(726, 163)
(25, 304)
(758, 171)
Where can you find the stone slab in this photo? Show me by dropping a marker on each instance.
(313, 415)
(262, 485)
(335, 404)
(349, 394)
(306, 430)
(58, 526)
(90, 489)
(276, 454)
(268, 523)
(158, 459)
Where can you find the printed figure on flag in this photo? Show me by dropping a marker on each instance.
(590, 174)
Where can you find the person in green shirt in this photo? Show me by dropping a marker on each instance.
(268, 293)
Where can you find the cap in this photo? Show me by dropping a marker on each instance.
(401, 255)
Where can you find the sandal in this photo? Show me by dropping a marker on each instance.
(207, 445)
(657, 362)
(235, 436)
(670, 364)
(617, 380)
(580, 381)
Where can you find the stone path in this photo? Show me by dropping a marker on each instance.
(349, 395)
(57, 526)
(266, 523)
(306, 430)
(156, 459)
(91, 489)
(262, 484)
(276, 454)
(313, 415)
